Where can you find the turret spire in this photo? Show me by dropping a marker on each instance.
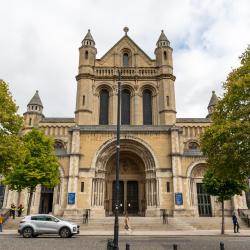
(88, 40)
(162, 41)
(36, 100)
(213, 101)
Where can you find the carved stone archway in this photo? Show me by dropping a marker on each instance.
(137, 164)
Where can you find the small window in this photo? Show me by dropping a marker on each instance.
(36, 108)
(32, 107)
(168, 186)
(30, 121)
(125, 60)
(83, 100)
(86, 54)
(193, 146)
(167, 100)
(82, 186)
(165, 55)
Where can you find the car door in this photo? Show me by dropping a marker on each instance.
(38, 222)
(51, 224)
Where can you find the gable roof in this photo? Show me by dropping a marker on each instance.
(130, 40)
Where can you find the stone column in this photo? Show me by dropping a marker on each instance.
(176, 165)
(137, 110)
(74, 166)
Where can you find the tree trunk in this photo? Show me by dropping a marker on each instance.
(223, 218)
(30, 200)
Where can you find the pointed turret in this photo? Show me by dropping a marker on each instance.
(162, 41)
(213, 101)
(34, 112)
(88, 40)
(36, 100)
(164, 62)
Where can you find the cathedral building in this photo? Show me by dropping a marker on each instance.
(161, 165)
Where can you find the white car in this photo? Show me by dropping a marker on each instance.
(36, 224)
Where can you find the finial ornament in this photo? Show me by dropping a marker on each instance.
(126, 29)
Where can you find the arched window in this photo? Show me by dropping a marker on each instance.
(147, 107)
(104, 107)
(165, 55)
(86, 54)
(125, 59)
(125, 109)
(59, 148)
(193, 146)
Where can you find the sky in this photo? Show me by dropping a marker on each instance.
(39, 43)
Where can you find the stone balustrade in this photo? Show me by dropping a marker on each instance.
(126, 71)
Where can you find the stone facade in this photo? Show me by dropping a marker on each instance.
(161, 164)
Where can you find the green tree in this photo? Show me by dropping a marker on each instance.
(12, 150)
(224, 189)
(226, 143)
(39, 167)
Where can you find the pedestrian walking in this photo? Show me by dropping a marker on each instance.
(236, 223)
(164, 217)
(1, 222)
(126, 222)
(13, 210)
(20, 210)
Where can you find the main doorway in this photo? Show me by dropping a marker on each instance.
(128, 198)
(132, 197)
(46, 201)
(204, 201)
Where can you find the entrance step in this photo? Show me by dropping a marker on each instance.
(136, 223)
(211, 223)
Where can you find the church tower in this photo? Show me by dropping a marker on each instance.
(163, 53)
(34, 113)
(84, 99)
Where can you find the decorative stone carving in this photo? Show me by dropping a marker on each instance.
(198, 171)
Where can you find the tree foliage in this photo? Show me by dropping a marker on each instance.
(12, 150)
(39, 167)
(223, 189)
(226, 143)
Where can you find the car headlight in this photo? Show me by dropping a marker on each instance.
(74, 228)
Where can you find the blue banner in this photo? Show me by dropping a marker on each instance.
(71, 198)
(178, 199)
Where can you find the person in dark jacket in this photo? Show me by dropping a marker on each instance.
(236, 223)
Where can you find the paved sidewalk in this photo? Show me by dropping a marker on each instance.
(243, 233)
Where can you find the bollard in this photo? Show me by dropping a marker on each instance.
(174, 247)
(222, 246)
(127, 246)
(110, 244)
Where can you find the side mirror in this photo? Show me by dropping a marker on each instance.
(56, 220)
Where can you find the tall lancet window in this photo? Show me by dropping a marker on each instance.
(125, 109)
(104, 107)
(147, 107)
(125, 59)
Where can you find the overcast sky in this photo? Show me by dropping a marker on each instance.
(39, 43)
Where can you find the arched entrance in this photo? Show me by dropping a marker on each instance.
(198, 195)
(138, 192)
(131, 186)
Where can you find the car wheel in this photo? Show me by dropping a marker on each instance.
(65, 232)
(27, 232)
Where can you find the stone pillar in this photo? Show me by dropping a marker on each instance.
(137, 110)
(176, 166)
(74, 166)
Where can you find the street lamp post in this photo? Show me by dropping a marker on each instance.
(116, 226)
